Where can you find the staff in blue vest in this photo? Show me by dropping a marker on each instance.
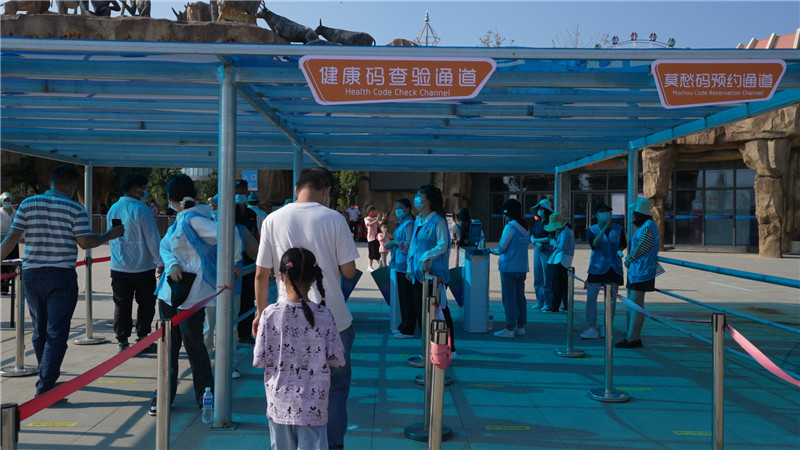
(541, 253)
(513, 266)
(642, 261)
(606, 239)
(429, 251)
(399, 246)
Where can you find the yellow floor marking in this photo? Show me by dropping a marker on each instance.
(692, 433)
(508, 428)
(52, 424)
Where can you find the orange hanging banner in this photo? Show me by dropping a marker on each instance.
(344, 79)
(683, 84)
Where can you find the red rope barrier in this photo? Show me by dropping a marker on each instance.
(94, 260)
(50, 397)
(7, 276)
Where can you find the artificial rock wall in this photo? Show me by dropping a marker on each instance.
(769, 144)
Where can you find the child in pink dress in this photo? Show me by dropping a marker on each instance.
(297, 344)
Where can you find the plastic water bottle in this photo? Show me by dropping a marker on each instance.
(491, 320)
(208, 406)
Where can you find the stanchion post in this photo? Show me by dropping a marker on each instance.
(608, 394)
(163, 388)
(9, 425)
(570, 352)
(436, 431)
(19, 369)
(419, 360)
(718, 350)
(89, 339)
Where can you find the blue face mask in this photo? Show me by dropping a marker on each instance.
(400, 213)
(418, 202)
(214, 215)
(241, 199)
(603, 217)
(144, 194)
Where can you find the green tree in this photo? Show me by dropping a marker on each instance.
(23, 179)
(157, 186)
(208, 187)
(345, 187)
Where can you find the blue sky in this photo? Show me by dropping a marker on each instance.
(531, 23)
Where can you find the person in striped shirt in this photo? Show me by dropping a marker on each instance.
(54, 227)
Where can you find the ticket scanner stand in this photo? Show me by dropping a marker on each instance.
(475, 276)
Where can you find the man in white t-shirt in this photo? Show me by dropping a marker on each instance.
(310, 224)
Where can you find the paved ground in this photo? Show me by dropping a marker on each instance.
(507, 393)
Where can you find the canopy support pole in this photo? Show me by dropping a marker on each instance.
(297, 166)
(633, 189)
(225, 245)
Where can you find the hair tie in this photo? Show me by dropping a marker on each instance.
(315, 264)
(289, 265)
(186, 199)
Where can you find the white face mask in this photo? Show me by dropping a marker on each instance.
(603, 217)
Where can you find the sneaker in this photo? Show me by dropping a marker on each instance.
(236, 374)
(152, 411)
(590, 333)
(403, 336)
(453, 356)
(504, 333)
(370, 269)
(520, 331)
(123, 346)
(152, 348)
(602, 331)
(545, 308)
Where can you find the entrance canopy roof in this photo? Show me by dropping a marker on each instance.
(156, 104)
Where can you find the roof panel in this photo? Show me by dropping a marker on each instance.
(116, 103)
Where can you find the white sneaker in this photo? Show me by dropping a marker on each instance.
(520, 331)
(370, 269)
(504, 333)
(403, 336)
(590, 333)
(453, 356)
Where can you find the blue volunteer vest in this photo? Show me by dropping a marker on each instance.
(423, 240)
(515, 258)
(604, 256)
(644, 268)
(399, 261)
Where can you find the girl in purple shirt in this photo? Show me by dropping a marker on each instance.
(297, 344)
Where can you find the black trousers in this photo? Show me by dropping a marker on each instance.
(189, 334)
(246, 302)
(558, 274)
(409, 315)
(141, 287)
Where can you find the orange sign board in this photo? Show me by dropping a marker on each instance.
(343, 79)
(683, 84)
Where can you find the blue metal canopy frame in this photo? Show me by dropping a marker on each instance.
(157, 104)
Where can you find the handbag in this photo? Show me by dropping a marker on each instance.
(180, 289)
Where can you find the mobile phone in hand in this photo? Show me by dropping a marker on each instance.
(116, 222)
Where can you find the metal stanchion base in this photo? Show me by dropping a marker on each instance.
(87, 341)
(416, 361)
(567, 353)
(418, 432)
(420, 380)
(14, 371)
(601, 395)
